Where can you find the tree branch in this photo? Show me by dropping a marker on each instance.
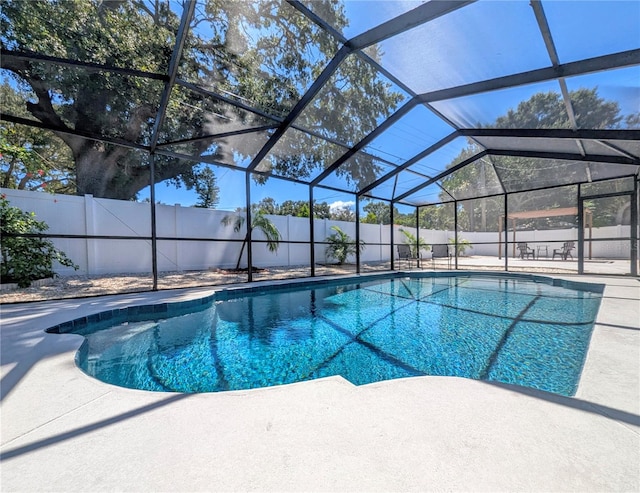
(43, 110)
(144, 8)
(138, 116)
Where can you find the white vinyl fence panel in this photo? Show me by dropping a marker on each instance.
(72, 215)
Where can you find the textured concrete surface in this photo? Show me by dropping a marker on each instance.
(64, 431)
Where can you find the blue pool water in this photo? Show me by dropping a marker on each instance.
(506, 329)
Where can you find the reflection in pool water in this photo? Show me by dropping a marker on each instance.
(505, 329)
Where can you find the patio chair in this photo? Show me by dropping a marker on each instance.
(440, 251)
(404, 253)
(565, 251)
(526, 252)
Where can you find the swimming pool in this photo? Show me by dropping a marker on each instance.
(524, 330)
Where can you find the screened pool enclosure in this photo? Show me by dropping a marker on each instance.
(223, 141)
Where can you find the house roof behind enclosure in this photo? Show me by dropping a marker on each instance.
(414, 102)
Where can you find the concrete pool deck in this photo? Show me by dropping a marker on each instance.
(64, 431)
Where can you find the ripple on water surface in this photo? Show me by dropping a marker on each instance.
(503, 329)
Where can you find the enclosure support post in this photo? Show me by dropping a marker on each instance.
(312, 244)
(154, 234)
(418, 235)
(513, 225)
(505, 226)
(580, 231)
(455, 232)
(588, 219)
(357, 234)
(391, 234)
(634, 229)
(500, 220)
(247, 182)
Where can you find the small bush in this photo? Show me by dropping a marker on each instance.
(463, 244)
(26, 259)
(341, 245)
(416, 245)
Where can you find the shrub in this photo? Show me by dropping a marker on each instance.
(341, 245)
(463, 244)
(415, 244)
(25, 259)
(258, 221)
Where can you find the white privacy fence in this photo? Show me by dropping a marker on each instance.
(73, 215)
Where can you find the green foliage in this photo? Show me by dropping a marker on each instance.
(547, 110)
(321, 210)
(462, 245)
(439, 217)
(31, 158)
(121, 34)
(295, 208)
(408, 220)
(24, 260)
(265, 54)
(415, 244)
(608, 211)
(541, 111)
(343, 213)
(341, 245)
(267, 206)
(270, 231)
(207, 189)
(377, 213)
(258, 221)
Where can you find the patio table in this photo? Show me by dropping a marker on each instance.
(542, 248)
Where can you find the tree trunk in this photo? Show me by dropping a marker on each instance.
(99, 173)
(246, 239)
(7, 176)
(469, 207)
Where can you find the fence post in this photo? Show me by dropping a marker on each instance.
(288, 239)
(324, 247)
(380, 247)
(176, 234)
(89, 230)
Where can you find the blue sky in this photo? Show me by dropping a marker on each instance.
(232, 187)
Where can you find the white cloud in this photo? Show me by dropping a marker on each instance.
(339, 204)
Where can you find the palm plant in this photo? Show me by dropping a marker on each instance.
(415, 244)
(258, 221)
(341, 245)
(462, 244)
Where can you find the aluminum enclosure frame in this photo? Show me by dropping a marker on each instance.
(417, 17)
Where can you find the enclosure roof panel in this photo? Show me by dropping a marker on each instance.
(408, 101)
(481, 41)
(584, 28)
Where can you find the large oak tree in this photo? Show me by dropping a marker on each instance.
(264, 54)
